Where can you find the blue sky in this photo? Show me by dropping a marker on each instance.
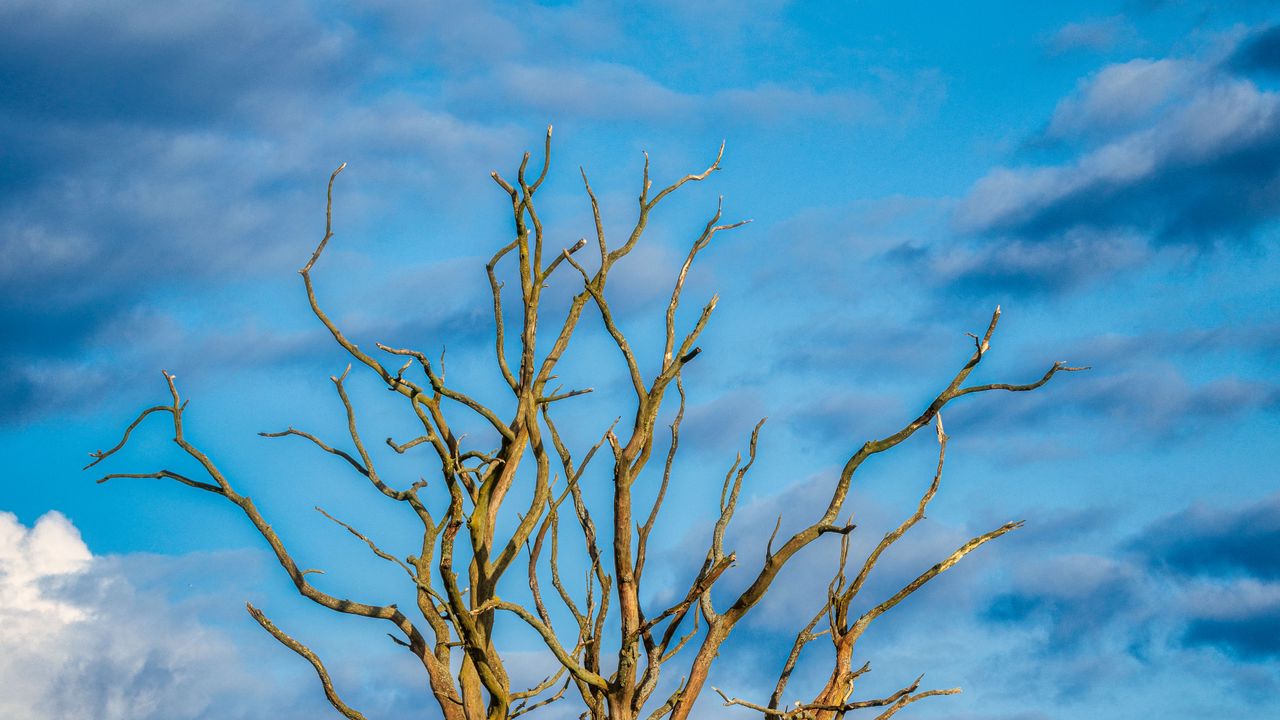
(1109, 173)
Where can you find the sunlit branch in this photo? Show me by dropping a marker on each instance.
(464, 556)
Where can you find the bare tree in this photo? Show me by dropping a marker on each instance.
(615, 650)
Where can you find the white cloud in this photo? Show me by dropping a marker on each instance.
(1203, 132)
(52, 549)
(1067, 261)
(1123, 93)
(80, 640)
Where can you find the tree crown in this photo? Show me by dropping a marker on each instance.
(613, 651)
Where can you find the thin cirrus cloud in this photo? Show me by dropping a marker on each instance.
(620, 92)
(1124, 97)
(1096, 35)
(1157, 403)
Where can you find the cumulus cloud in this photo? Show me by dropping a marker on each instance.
(79, 641)
(50, 550)
(152, 637)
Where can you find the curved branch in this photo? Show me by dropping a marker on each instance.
(703, 240)
(548, 637)
(500, 332)
(1057, 367)
(606, 314)
(165, 474)
(521, 709)
(100, 455)
(437, 384)
(329, 692)
(246, 505)
(896, 534)
(931, 573)
(698, 177)
(320, 444)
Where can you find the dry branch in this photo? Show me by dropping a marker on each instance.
(311, 657)
(465, 551)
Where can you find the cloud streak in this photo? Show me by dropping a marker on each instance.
(1177, 152)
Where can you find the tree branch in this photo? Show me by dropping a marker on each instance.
(329, 692)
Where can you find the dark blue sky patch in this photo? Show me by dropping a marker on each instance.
(1217, 542)
(93, 63)
(1076, 598)
(1260, 52)
(1013, 608)
(1255, 638)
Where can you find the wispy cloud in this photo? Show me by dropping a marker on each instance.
(1178, 151)
(1096, 35)
(1226, 135)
